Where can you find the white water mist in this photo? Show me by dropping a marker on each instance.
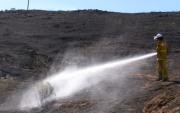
(68, 82)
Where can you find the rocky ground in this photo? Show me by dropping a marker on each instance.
(32, 41)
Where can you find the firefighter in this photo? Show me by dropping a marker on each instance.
(162, 50)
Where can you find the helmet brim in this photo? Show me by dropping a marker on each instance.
(155, 37)
(158, 38)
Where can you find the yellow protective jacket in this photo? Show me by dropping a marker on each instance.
(162, 50)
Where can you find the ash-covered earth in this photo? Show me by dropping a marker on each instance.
(34, 44)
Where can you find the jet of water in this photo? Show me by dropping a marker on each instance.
(68, 82)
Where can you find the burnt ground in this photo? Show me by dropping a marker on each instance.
(32, 41)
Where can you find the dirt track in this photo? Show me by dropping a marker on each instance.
(30, 42)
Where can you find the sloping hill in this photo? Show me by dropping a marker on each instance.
(32, 41)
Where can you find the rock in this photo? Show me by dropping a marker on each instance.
(7, 76)
(11, 78)
(30, 15)
(2, 78)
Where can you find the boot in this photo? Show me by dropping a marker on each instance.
(159, 78)
(166, 79)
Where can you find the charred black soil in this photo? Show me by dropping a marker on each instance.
(32, 41)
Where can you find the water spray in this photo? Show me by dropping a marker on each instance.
(68, 82)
